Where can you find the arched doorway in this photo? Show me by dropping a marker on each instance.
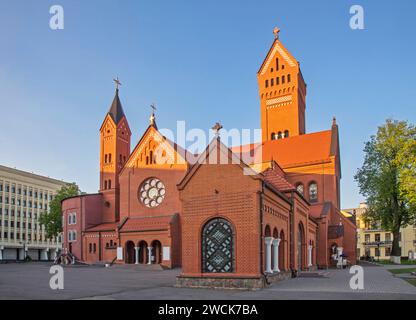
(301, 247)
(282, 245)
(130, 252)
(217, 246)
(143, 252)
(156, 252)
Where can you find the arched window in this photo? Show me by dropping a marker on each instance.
(300, 188)
(106, 158)
(109, 157)
(95, 247)
(105, 185)
(286, 133)
(217, 247)
(90, 248)
(279, 135)
(273, 136)
(313, 192)
(109, 184)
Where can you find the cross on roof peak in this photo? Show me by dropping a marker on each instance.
(117, 82)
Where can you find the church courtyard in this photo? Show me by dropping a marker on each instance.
(31, 281)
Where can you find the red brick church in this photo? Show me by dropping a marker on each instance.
(222, 226)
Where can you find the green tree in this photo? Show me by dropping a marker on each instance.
(387, 178)
(52, 220)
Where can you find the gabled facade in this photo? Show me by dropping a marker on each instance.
(235, 224)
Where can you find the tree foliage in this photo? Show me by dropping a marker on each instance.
(52, 220)
(387, 178)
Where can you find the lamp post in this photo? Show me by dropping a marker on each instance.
(378, 251)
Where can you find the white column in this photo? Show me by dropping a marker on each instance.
(339, 258)
(310, 256)
(268, 241)
(137, 254)
(276, 243)
(149, 249)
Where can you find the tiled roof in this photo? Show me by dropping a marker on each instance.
(302, 149)
(274, 178)
(103, 227)
(147, 223)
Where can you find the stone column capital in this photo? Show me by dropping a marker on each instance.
(276, 242)
(268, 241)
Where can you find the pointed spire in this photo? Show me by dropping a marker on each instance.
(116, 110)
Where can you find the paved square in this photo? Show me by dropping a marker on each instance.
(31, 281)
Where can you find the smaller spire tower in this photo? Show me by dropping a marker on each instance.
(115, 136)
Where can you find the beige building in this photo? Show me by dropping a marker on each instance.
(375, 242)
(23, 197)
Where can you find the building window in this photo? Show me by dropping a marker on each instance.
(279, 135)
(286, 133)
(109, 158)
(388, 236)
(105, 185)
(288, 78)
(273, 136)
(313, 192)
(90, 248)
(277, 81)
(283, 79)
(267, 83)
(277, 64)
(300, 188)
(367, 238)
(377, 252)
(109, 184)
(95, 247)
(387, 251)
(217, 247)
(377, 237)
(272, 82)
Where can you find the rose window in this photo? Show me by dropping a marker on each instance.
(152, 192)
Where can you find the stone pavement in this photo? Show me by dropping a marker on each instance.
(31, 281)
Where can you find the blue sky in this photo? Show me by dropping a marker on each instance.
(198, 61)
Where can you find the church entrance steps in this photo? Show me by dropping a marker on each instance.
(314, 274)
(140, 267)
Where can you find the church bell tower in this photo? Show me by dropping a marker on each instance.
(282, 92)
(115, 136)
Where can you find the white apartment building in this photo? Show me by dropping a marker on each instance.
(24, 197)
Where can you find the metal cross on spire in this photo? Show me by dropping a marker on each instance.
(152, 117)
(276, 32)
(217, 129)
(117, 82)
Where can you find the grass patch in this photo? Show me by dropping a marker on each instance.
(388, 262)
(411, 281)
(401, 271)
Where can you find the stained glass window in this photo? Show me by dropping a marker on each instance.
(217, 247)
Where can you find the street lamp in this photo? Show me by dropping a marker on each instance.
(378, 251)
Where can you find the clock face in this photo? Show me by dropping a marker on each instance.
(152, 192)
